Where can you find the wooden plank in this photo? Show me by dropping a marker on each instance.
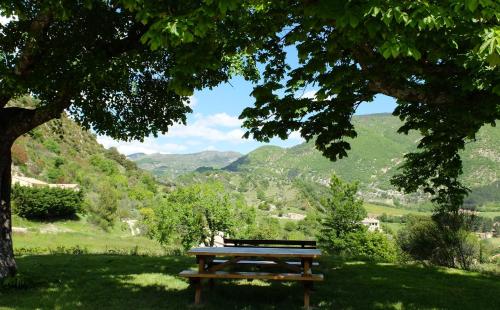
(227, 263)
(270, 246)
(259, 262)
(252, 275)
(257, 242)
(256, 252)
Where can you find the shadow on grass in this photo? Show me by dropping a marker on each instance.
(136, 282)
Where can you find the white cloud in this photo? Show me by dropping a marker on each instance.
(212, 127)
(203, 132)
(149, 146)
(295, 135)
(205, 129)
(218, 120)
(210, 148)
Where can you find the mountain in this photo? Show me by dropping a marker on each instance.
(169, 166)
(291, 175)
(60, 151)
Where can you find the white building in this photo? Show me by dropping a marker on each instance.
(372, 223)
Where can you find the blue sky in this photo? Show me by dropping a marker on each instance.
(214, 123)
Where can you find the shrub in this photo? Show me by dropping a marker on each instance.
(105, 165)
(52, 146)
(427, 240)
(19, 155)
(103, 213)
(45, 203)
(372, 246)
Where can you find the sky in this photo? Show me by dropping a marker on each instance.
(214, 124)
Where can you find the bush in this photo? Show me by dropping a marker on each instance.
(19, 155)
(427, 240)
(372, 246)
(52, 146)
(45, 203)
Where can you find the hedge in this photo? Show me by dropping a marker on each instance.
(46, 203)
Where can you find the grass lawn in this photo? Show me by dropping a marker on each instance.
(145, 282)
(67, 235)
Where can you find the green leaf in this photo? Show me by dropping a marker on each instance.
(472, 4)
(353, 21)
(493, 59)
(386, 53)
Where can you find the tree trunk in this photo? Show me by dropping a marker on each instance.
(7, 262)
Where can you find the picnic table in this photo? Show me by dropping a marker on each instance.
(295, 265)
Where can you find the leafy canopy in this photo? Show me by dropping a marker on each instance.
(439, 59)
(196, 214)
(137, 61)
(103, 64)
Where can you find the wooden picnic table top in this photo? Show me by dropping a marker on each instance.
(256, 252)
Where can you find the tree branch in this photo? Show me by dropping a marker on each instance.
(3, 101)
(30, 53)
(16, 121)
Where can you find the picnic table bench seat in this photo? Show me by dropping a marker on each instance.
(252, 275)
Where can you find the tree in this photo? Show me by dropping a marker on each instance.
(341, 213)
(125, 69)
(341, 231)
(104, 212)
(439, 59)
(87, 58)
(194, 214)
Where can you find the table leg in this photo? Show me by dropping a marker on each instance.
(202, 260)
(306, 265)
(307, 293)
(197, 293)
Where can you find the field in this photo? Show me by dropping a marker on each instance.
(379, 209)
(146, 282)
(75, 236)
(375, 209)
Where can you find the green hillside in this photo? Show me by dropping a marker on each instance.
(61, 152)
(169, 166)
(289, 176)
